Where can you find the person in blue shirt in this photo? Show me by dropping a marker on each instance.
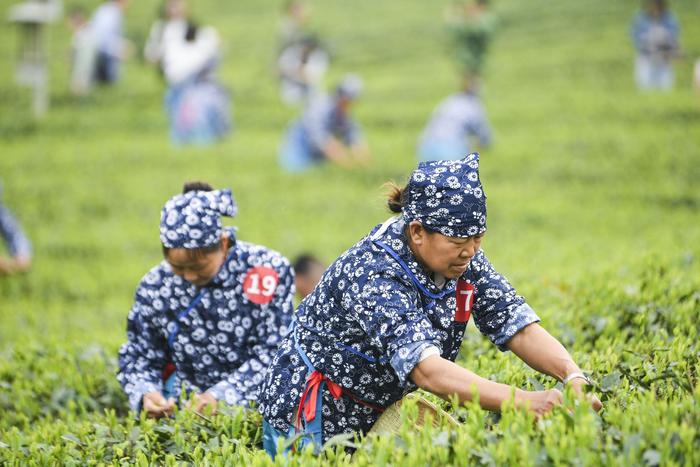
(389, 315)
(106, 29)
(19, 248)
(455, 126)
(655, 34)
(326, 131)
(207, 319)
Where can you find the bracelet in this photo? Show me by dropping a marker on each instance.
(573, 376)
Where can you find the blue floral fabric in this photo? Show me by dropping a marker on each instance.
(367, 322)
(224, 342)
(447, 197)
(193, 219)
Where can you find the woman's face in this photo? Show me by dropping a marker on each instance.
(176, 9)
(197, 269)
(447, 256)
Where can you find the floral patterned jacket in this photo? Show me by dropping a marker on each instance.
(220, 337)
(368, 321)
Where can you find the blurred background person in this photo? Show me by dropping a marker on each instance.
(326, 131)
(19, 248)
(655, 32)
(198, 105)
(470, 25)
(307, 274)
(454, 125)
(171, 26)
(301, 68)
(106, 26)
(292, 28)
(83, 53)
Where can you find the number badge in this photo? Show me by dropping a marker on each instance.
(260, 284)
(465, 300)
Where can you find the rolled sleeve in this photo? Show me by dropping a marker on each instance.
(407, 357)
(136, 390)
(516, 321)
(499, 312)
(227, 392)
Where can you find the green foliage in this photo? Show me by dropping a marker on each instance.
(593, 216)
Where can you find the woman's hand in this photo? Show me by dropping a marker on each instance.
(539, 402)
(577, 384)
(18, 263)
(536, 347)
(156, 406)
(201, 401)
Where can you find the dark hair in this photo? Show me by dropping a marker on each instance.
(397, 200)
(196, 253)
(196, 186)
(191, 31)
(396, 197)
(303, 263)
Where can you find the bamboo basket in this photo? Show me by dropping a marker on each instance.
(390, 421)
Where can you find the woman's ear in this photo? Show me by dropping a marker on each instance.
(416, 232)
(225, 242)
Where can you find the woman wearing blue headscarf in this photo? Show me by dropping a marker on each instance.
(209, 317)
(389, 315)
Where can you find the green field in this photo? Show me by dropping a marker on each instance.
(594, 207)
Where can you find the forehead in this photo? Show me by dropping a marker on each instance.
(183, 257)
(459, 240)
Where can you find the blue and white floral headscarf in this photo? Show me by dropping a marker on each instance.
(193, 220)
(447, 197)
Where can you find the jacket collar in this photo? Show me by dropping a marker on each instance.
(391, 237)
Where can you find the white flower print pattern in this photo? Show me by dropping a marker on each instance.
(219, 348)
(447, 196)
(192, 219)
(369, 342)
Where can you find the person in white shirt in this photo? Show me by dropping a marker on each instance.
(197, 104)
(301, 68)
(83, 53)
(455, 124)
(170, 27)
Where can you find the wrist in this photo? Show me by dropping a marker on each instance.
(577, 378)
(521, 397)
(210, 395)
(566, 368)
